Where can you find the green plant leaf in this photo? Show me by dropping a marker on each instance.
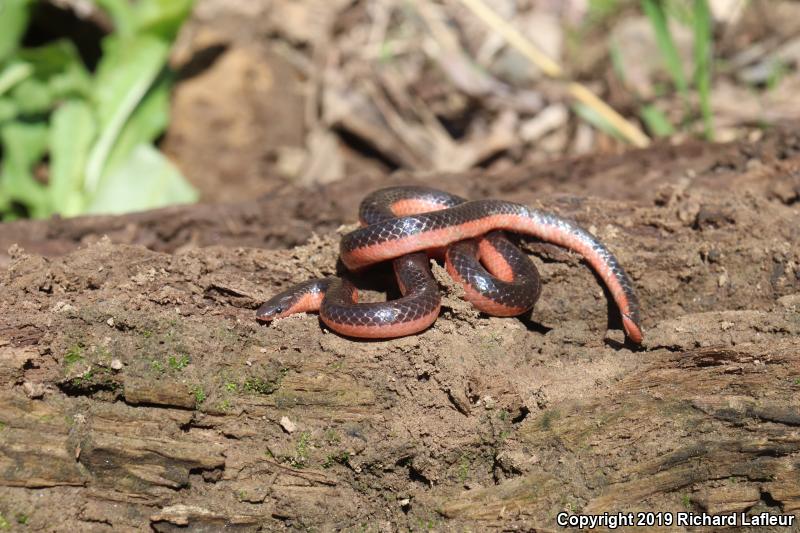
(5, 205)
(13, 21)
(121, 13)
(71, 137)
(145, 181)
(24, 144)
(52, 58)
(8, 110)
(654, 9)
(99, 127)
(32, 97)
(656, 121)
(14, 73)
(59, 65)
(72, 83)
(124, 75)
(147, 122)
(162, 18)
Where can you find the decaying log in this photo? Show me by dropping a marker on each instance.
(138, 391)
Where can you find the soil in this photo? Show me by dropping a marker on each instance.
(139, 392)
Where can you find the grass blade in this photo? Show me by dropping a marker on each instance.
(579, 92)
(590, 115)
(703, 50)
(654, 9)
(656, 121)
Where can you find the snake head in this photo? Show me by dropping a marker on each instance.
(304, 297)
(278, 306)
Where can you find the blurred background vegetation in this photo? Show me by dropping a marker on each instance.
(88, 128)
(264, 92)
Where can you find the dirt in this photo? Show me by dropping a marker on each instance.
(138, 390)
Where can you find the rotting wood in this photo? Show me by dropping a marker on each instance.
(165, 405)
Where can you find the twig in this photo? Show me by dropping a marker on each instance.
(552, 69)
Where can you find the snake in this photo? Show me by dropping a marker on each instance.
(409, 224)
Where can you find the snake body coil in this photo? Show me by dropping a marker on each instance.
(403, 223)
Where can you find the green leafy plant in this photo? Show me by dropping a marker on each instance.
(199, 395)
(73, 354)
(95, 129)
(686, 501)
(178, 362)
(301, 450)
(342, 457)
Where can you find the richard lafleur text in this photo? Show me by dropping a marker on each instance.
(650, 519)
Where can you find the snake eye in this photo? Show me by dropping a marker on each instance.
(268, 311)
